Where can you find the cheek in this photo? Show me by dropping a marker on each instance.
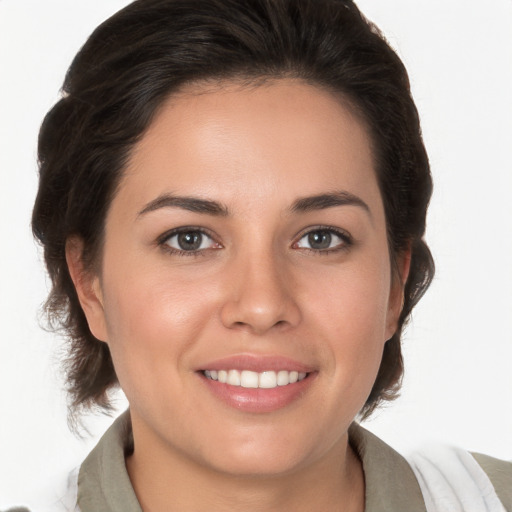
(353, 299)
(152, 322)
(350, 312)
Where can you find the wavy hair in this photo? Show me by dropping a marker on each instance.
(132, 63)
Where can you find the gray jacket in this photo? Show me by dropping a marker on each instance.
(101, 484)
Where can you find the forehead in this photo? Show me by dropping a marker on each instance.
(282, 137)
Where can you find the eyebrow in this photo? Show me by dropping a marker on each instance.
(323, 201)
(209, 207)
(192, 204)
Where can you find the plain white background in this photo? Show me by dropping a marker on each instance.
(458, 350)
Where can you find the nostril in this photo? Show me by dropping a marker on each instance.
(249, 325)
(259, 311)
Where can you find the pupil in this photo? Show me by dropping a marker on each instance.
(189, 241)
(319, 239)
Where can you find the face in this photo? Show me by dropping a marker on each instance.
(245, 288)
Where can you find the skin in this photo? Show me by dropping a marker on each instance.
(255, 287)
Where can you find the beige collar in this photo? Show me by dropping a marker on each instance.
(103, 482)
(389, 480)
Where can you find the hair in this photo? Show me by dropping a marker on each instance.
(132, 63)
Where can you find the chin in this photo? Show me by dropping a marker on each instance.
(259, 467)
(263, 454)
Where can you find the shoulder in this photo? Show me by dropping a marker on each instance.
(500, 475)
(437, 477)
(453, 476)
(101, 483)
(59, 497)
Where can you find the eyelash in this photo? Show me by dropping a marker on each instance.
(163, 240)
(345, 245)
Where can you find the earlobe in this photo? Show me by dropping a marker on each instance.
(88, 288)
(396, 298)
(404, 267)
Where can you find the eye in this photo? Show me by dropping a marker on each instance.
(324, 239)
(187, 240)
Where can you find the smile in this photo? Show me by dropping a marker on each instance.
(249, 379)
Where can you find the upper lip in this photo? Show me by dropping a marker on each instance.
(256, 363)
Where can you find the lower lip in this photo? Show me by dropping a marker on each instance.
(259, 400)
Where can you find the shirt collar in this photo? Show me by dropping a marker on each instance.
(104, 484)
(389, 480)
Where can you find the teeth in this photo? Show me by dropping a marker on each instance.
(233, 378)
(284, 378)
(249, 379)
(267, 380)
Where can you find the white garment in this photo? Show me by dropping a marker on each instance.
(60, 497)
(68, 503)
(452, 481)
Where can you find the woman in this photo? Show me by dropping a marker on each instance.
(232, 203)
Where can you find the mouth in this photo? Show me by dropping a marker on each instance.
(255, 380)
(256, 383)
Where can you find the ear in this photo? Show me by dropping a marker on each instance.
(396, 296)
(88, 288)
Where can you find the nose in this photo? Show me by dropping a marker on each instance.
(260, 296)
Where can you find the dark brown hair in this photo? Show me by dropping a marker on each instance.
(150, 49)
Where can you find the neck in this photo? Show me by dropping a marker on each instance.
(166, 480)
